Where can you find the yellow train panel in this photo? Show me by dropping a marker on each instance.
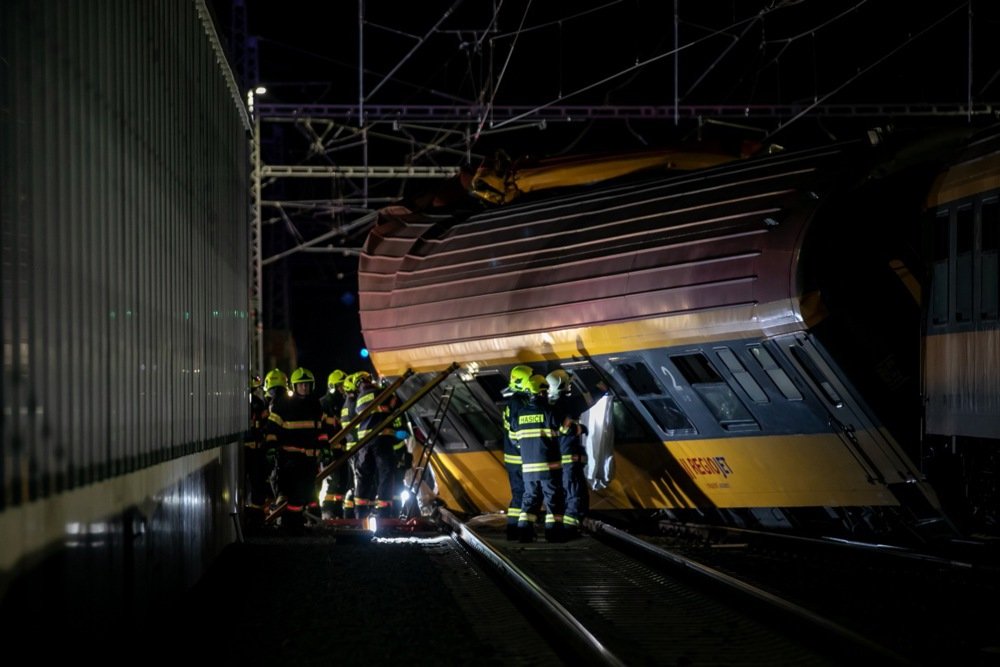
(789, 471)
(476, 478)
(967, 179)
(786, 471)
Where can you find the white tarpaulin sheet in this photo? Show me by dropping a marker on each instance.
(599, 443)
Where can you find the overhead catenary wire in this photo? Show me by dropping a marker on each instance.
(496, 86)
(822, 98)
(628, 70)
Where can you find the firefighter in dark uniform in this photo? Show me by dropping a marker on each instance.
(534, 429)
(402, 457)
(255, 458)
(567, 408)
(336, 484)
(518, 392)
(275, 392)
(377, 462)
(347, 413)
(301, 439)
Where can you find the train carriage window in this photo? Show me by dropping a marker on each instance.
(592, 387)
(473, 414)
(718, 396)
(989, 280)
(813, 371)
(965, 242)
(627, 427)
(588, 380)
(941, 248)
(742, 376)
(493, 384)
(776, 373)
(662, 408)
(466, 425)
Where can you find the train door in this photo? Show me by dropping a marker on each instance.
(872, 447)
(868, 442)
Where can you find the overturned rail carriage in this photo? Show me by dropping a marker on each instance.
(748, 333)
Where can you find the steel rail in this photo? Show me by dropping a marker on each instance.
(589, 646)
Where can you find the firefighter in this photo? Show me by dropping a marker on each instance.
(347, 413)
(301, 439)
(567, 408)
(259, 492)
(336, 484)
(403, 457)
(275, 391)
(534, 429)
(519, 391)
(377, 461)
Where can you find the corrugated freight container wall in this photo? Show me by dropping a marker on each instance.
(125, 199)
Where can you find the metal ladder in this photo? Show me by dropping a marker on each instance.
(410, 506)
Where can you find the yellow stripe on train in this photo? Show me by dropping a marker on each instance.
(740, 321)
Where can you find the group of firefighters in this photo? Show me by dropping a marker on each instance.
(293, 436)
(544, 455)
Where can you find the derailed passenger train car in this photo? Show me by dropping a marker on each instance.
(756, 326)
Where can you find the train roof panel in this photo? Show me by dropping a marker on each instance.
(710, 252)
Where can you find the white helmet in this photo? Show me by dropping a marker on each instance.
(559, 383)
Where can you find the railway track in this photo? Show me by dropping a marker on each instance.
(610, 599)
(935, 608)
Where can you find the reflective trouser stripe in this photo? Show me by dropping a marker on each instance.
(570, 520)
(541, 467)
(301, 450)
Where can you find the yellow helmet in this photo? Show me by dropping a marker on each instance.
(537, 384)
(302, 376)
(352, 381)
(335, 378)
(519, 376)
(275, 378)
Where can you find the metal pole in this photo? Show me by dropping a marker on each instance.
(257, 348)
(677, 56)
